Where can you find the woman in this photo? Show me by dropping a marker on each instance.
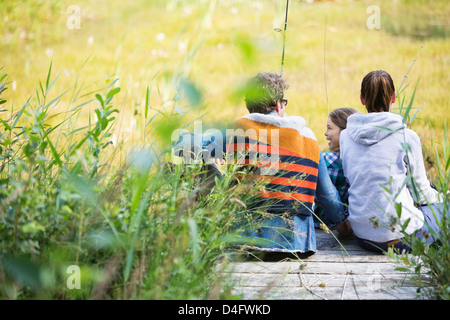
(383, 163)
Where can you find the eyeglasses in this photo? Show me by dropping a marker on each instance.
(284, 101)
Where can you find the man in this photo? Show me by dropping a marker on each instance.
(296, 176)
(282, 154)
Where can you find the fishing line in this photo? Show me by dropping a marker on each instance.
(406, 76)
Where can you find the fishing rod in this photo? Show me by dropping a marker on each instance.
(284, 35)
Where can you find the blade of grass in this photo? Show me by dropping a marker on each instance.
(411, 101)
(48, 77)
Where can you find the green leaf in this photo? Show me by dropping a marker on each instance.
(55, 154)
(7, 126)
(111, 93)
(246, 48)
(3, 76)
(398, 209)
(408, 108)
(405, 225)
(37, 96)
(147, 101)
(414, 116)
(104, 122)
(33, 227)
(100, 99)
(388, 129)
(57, 98)
(48, 77)
(20, 113)
(406, 147)
(24, 271)
(402, 269)
(49, 86)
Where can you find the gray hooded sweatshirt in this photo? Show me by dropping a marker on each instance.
(376, 149)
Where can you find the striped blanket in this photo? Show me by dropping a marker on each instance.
(286, 154)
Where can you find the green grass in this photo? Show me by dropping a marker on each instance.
(126, 45)
(137, 231)
(88, 113)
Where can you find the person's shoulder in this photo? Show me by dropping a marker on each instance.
(411, 135)
(298, 123)
(308, 133)
(332, 159)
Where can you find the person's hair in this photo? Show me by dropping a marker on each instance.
(339, 116)
(263, 91)
(377, 89)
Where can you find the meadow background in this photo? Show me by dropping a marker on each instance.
(220, 44)
(174, 61)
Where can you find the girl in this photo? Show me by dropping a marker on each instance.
(383, 162)
(336, 122)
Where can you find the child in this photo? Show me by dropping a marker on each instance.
(381, 158)
(336, 122)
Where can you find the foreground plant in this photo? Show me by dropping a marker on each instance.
(140, 229)
(429, 262)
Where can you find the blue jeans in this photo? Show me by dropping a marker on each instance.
(328, 197)
(427, 233)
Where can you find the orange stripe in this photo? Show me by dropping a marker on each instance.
(303, 145)
(255, 147)
(287, 196)
(290, 182)
(282, 181)
(298, 168)
(281, 166)
(268, 150)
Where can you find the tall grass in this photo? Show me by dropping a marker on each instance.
(72, 192)
(140, 229)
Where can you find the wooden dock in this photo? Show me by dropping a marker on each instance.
(331, 273)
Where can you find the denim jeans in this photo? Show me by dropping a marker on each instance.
(432, 215)
(328, 197)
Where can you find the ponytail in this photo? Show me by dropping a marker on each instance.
(377, 89)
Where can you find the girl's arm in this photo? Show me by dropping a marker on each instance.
(420, 188)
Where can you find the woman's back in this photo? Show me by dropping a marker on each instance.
(375, 150)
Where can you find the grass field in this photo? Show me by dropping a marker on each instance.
(89, 81)
(219, 44)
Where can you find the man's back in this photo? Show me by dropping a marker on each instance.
(287, 155)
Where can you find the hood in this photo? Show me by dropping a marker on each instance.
(293, 122)
(370, 128)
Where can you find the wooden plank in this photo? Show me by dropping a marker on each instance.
(346, 293)
(332, 241)
(340, 269)
(350, 256)
(312, 267)
(375, 281)
(323, 255)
